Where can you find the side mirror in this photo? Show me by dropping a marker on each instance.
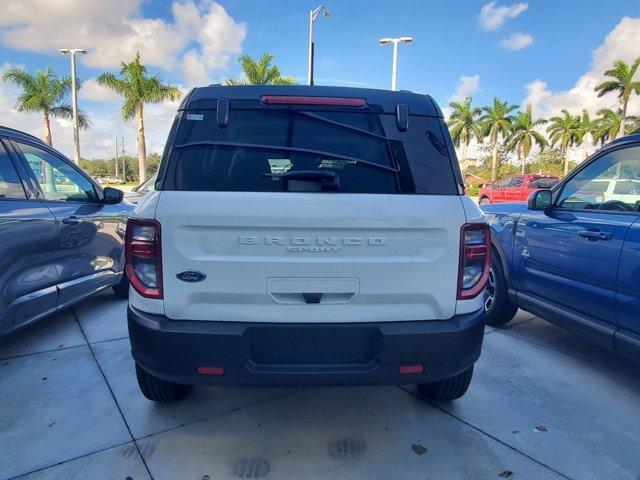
(539, 200)
(112, 195)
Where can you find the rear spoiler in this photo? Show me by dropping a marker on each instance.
(381, 101)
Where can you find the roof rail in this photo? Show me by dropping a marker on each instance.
(2, 127)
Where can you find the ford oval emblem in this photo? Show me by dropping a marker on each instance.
(191, 276)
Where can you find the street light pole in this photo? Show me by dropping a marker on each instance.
(313, 14)
(116, 144)
(74, 100)
(394, 64)
(394, 67)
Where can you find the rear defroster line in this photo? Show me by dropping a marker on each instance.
(338, 156)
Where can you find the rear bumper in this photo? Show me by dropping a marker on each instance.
(285, 354)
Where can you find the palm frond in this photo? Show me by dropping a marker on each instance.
(236, 81)
(284, 81)
(113, 83)
(260, 72)
(129, 109)
(66, 111)
(607, 86)
(155, 91)
(20, 78)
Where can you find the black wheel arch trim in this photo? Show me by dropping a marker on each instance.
(495, 243)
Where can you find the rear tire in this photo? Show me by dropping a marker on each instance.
(160, 390)
(499, 309)
(485, 201)
(121, 289)
(447, 389)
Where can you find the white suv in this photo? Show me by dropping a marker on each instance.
(306, 236)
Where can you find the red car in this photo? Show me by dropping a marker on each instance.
(515, 188)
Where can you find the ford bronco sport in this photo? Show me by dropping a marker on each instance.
(306, 236)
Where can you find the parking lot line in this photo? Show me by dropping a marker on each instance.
(55, 406)
(112, 394)
(53, 333)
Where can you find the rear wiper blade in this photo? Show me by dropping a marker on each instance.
(289, 149)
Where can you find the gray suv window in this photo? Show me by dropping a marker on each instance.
(58, 180)
(612, 182)
(10, 185)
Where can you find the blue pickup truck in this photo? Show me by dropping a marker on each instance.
(572, 254)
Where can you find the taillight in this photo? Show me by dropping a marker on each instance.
(143, 257)
(475, 260)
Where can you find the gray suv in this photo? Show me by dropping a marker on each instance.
(61, 234)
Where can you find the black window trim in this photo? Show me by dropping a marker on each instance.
(556, 191)
(26, 187)
(517, 177)
(34, 181)
(510, 178)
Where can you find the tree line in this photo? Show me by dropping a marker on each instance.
(505, 128)
(517, 131)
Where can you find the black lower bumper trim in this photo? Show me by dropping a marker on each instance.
(286, 354)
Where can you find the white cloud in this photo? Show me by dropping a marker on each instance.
(91, 90)
(616, 46)
(516, 41)
(467, 85)
(493, 16)
(198, 41)
(201, 35)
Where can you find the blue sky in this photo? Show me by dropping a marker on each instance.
(457, 50)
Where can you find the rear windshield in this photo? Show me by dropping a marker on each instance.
(267, 150)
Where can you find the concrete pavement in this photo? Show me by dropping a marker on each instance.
(542, 404)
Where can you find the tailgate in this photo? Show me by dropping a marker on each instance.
(309, 257)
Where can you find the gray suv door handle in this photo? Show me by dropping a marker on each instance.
(595, 235)
(72, 220)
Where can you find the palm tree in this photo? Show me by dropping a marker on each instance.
(496, 122)
(586, 132)
(608, 124)
(562, 132)
(46, 93)
(622, 83)
(524, 135)
(138, 89)
(463, 124)
(260, 72)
